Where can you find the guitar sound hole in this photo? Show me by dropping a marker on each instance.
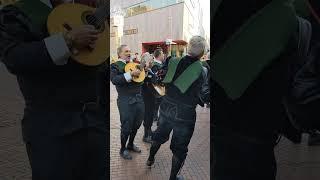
(92, 20)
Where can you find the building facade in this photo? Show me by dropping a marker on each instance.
(147, 25)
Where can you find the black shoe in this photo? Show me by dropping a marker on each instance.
(125, 154)
(147, 139)
(133, 148)
(150, 161)
(314, 139)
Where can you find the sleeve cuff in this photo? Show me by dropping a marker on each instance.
(57, 49)
(127, 76)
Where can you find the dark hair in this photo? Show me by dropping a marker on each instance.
(157, 53)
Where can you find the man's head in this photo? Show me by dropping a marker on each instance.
(146, 58)
(197, 46)
(158, 54)
(124, 52)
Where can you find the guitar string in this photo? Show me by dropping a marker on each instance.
(99, 20)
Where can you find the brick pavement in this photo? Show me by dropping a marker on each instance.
(13, 158)
(197, 163)
(298, 162)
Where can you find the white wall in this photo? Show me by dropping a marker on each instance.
(154, 26)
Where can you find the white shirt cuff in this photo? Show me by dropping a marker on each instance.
(57, 49)
(127, 76)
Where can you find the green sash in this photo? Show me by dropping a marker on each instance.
(156, 64)
(172, 67)
(185, 80)
(37, 11)
(258, 42)
(191, 74)
(120, 66)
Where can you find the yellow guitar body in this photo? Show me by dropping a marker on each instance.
(72, 14)
(131, 67)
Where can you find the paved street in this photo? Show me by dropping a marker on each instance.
(296, 162)
(13, 158)
(197, 163)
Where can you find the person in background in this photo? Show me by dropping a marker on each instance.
(136, 58)
(150, 98)
(147, 96)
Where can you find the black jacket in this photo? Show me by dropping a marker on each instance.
(52, 93)
(123, 87)
(198, 92)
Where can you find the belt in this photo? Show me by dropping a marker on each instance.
(171, 100)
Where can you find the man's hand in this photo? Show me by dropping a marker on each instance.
(135, 73)
(82, 37)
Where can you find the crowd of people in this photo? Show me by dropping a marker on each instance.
(186, 83)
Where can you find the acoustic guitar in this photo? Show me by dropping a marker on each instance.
(70, 15)
(133, 66)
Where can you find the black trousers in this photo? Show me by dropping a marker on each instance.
(173, 117)
(150, 105)
(131, 109)
(81, 155)
(239, 156)
(157, 106)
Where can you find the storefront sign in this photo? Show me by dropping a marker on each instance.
(130, 31)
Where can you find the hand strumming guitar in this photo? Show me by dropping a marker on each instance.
(135, 73)
(81, 37)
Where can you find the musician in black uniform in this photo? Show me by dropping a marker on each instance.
(130, 101)
(159, 69)
(184, 91)
(64, 124)
(149, 95)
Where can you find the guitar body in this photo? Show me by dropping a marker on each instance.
(131, 67)
(74, 15)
